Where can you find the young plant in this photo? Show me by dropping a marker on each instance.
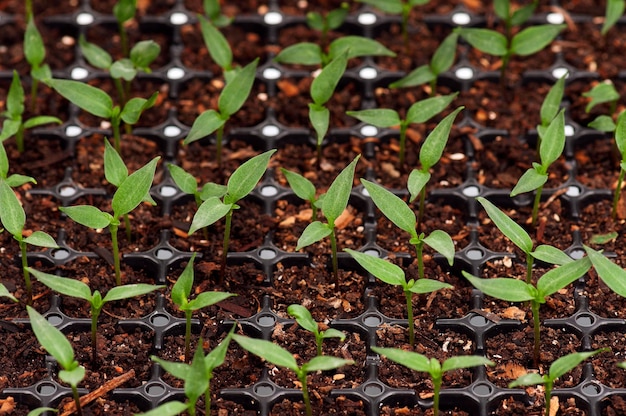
(333, 204)
(14, 125)
(432, 366)
(419, 112)
(602, 92)
(305, 320)
(60, 348)
(442, 60)
(394, 275)
(304, 189)
(187, 183)
(279, 356)
(613, 11)
(80, 290)
(231, 99)
(97, 102)
(197, 377)
(513, 290)
(131, 191)
(328, 21)
(322, 89)
(218, 47)
(140, 58)
(35, 53)
(124, 11)
(512, 17)
(550, 149)
(180, 296)
(550, 107)
(557, 369)
(4, 292)
(611, 274)
(240, 184)
(213, 11)
(399, 213)
(620, 142)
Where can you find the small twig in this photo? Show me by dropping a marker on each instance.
(70, 408)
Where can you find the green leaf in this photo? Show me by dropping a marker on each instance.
(388, 6)
(315, 21)
(4, 292)
(144, 53)
(379, 117)
(42, 73)
(603, 238)
(94, 54)
(51, 339)
(303, 317)
(245, 177)
(63, 285)
(485, 40)
(134, 188)
(182, 288)
(614, 10)
(409, 359)
(416, 182)
(319, 117)
(552, 103)
(603, 123)
(569, 361)
(313, 233)
(12, 214)
(91, 99)
(216, 357)
(620, 134)
(135, 106)
(510, 290)
(115, 170)
(177, 369)
(41, 410)
(381, 269)
(236, 91)
(509, 228)
(333, 333)
(15, 98)
(356, 46)
(392, 207)
(435, 143)
(443, 58)
(208, 212)
(603, 92)
(610, 273)
(211, 189)
(421, 286)
(467, 361)
(73, 376)
(123, 69)
(534, 38)
(41, 239)
(130, 291)
(529, 379)
(303, 53)
(530, 180)
(205, 124)
(205, 299)
(336, 17)
(16, 180)
(268, 351)
(300, 185)
(216, 43)
(338, 192)
(442, 243)
(197, 381)
(551, 255)
(553, 141)
(4, 162)
(522, 14)
(88, 215)
(418, 76)
(172, 408)
(561, 276)
(424, 110)
(40, 121)
(125, 10)
(325, 363)
(34, 49)
(324, 84)
(502, 9)
(9, 128)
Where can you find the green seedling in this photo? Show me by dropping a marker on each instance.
(557, 369)
(550, 107)
(279, 356)
(322, 89)
(551, 147)
(231, 99)
(14, 125)
(620, 142)
(401, 7)
(180, 296)
(304, 189)
(213, 12)
(97, 102)
(305, 320)
(418, 113)
(526, 42)
(601, 93)
(187, 183)
(328, 21)
(131, 191)
(613, 11)
(399, 213)
(13, 217)
(124, 11)
(197, 377)
(80, 290)
(432, 366)
(35, 54)
(126, 69)
(513, 290)
(442, 60)
(4, 292)
(333, 204)
(218, 47)
(394, 275)
(307, 53)
(519, 237)
(512, 17)
(610, 273)
(41, 410)
(240, 184)
(60, 348)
